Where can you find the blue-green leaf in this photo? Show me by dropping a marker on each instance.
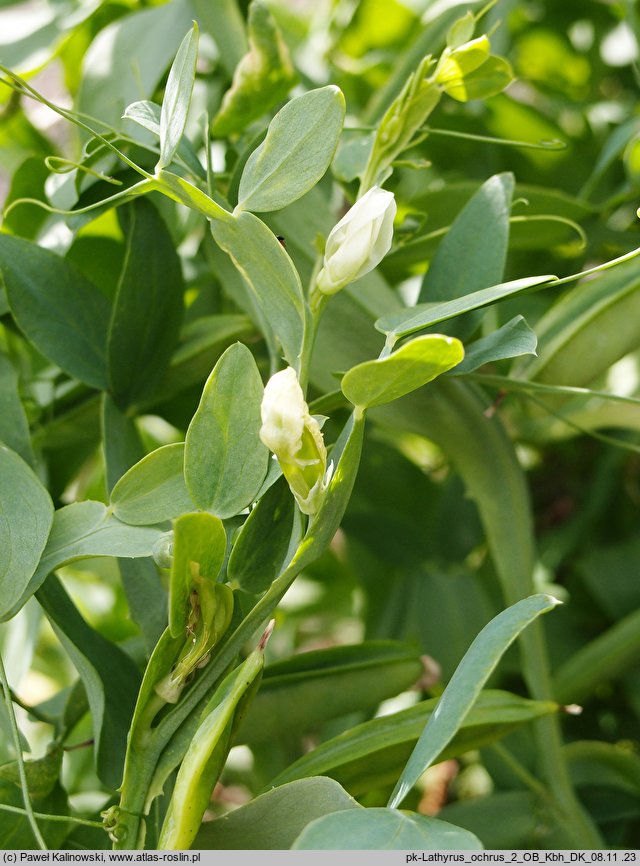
(466, 684)
(177, 97)
(299, 146)
(383, 830)
(411, 319)
(510, 341)
(225, 461)
(153, 490)
(270, 276)
(274, 820)
(26, 513)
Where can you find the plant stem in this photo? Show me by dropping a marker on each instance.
(580, 827)
(20, 760)
(72, 819)
(33, 711)
(520, 771)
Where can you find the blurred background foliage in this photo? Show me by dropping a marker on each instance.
(411, 561)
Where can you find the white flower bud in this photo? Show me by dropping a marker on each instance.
(283, 413)
(359, 241)
(295, 438)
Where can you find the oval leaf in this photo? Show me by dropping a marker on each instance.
(465, 685)
(61, 312)
(413, 365)
(177, 97)
(199, 545)
(225, 461)
(26, 514)
(384, 830)
(270, 276)
(273, 820)
(154, 489)
(84, 530)
(297, 151)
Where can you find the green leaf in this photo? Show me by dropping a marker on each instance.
(600, 312)
(511, 340)
(489, 79)
(383, 830)
(297, 151)
(154, 489)
(28, 181)
(411, 366)
(15, 832)
(199, 545)
(84, 530)
(267, 541)
(146, 597)
(505, 819)
(110, 677)
(26, 514)
(147, 115)
(121, 442)
(177, 97)
(371, 754)
(412, 319)
(60, 311)
(274, 819)
(299, 694)
(473, 253)
(461, 31)
(605, 658)
(225, 24)
(270, 276)
(14, 426)
(596, 763)
(262, 78)
(145, 594)
(42, 774)
(225, 461)
(465, 685)
(203, 341)
(128, 58)
(147, 310)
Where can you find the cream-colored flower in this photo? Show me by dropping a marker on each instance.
(295, 438)
(359, 241)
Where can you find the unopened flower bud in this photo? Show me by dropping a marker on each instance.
(295, 438)
(359, 241)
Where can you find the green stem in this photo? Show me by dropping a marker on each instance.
(33, 711)
(21, 770)
(520, 771)
(67, 819)
(577, 822)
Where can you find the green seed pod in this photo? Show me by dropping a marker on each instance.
(208, 752)
(209, 618)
